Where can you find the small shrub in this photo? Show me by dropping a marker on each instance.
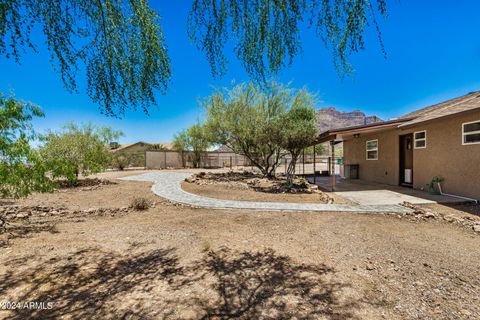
(140, 204)
(120, 162)
(433, 184)
(206, 247)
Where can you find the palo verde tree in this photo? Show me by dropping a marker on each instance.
(120, 43)
(195, 139)
(21, 169)
(78, 150)
(299, 129)
(248, 119)
(266, 34)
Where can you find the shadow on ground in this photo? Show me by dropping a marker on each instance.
(22, 229)
(224, 284)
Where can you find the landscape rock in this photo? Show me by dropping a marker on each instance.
(476, 228)
(250, 180)
(17, 212)
(420, 213)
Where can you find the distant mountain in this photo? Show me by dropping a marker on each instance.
(331, 118)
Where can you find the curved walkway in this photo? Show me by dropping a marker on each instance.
(168, 185)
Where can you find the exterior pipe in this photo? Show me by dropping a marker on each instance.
(454, 196)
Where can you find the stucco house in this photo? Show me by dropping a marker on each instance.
(135, 152)
(440, 140)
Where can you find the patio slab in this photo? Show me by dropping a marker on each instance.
(371, 193)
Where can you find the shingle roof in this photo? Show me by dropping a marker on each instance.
(223, 148)
(424, 111)
(166, 145)
(464, 103)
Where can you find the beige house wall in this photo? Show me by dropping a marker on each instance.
(383, 170)
(444, 156)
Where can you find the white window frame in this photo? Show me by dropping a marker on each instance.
(423, 139)
(367, 150)
(469, 133)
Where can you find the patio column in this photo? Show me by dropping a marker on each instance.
(314, 171)
(332, 143)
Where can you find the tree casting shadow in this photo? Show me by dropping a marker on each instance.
(224, 284)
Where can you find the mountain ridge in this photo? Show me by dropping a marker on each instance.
(330, 118)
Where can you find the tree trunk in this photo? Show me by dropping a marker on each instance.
(291, 169)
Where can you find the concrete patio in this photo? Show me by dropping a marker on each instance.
(371, 193)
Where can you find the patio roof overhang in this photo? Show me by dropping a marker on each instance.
(338, 135)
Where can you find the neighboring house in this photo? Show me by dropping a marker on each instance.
(440, 140)
(135, 152)
(223, 148)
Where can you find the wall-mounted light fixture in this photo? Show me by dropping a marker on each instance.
(356, 135)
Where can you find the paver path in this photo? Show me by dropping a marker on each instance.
(168, 185)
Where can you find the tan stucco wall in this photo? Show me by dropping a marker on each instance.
(383, 170)
(444, 156)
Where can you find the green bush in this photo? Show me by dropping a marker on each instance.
(120, 162)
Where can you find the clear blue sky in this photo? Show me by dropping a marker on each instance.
(433, 53)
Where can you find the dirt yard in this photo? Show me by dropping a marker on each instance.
(176, 262)
(237, 193)
(250, 186)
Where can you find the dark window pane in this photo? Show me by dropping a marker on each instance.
(372, 154)
(471, 127)
(420, 135)
(372, 144)
(471, 138)
(420, 144)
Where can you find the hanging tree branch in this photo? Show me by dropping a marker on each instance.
(120, 42)
(266, 33)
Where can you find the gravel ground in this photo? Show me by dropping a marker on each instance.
(176, 262)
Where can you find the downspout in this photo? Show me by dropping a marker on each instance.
(454, 196)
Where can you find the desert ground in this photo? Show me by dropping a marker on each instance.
(177, 262)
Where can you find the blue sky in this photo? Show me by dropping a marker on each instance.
(433, 54)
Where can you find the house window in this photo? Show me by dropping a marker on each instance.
(372, 150)
(420, 139)
(471, 132)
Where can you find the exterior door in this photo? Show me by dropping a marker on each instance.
(406, 160)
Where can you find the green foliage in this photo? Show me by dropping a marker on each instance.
(249, 119)
(120, 42)
(21, 169)
(122, 46)
(78, 150)
(266, 34)
(299, 128)
(114, 145)
(195, 139)
(158, 147)
(432, 185)
(120, 162)
(320, 150)
(181, 141)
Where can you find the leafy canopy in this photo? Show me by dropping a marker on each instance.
(249, 119)
(78, 150)
(121, 46)
(299, 129)
(21, 169)
(195, 139)
(266, 33)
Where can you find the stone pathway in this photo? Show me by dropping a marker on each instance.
(168, 185)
